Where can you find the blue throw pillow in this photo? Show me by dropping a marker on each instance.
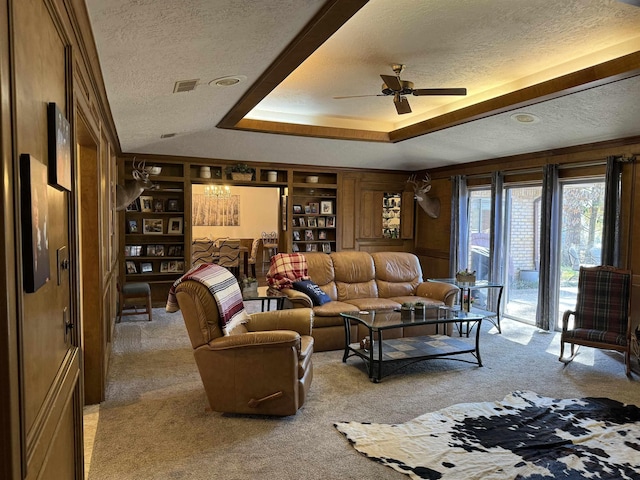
(317, 296)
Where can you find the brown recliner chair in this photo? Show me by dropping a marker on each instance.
(264, 366)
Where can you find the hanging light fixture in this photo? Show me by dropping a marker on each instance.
(217, 191)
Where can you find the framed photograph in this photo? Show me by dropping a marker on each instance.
(326, 207)
(311, 222)
(331, 222)
(295, 248)
(297, 209)
(146, 203)
(131, 267)
(134, 206)
(294, 222)
(173, 266)
(322, 235)
(127, 250)
(283, 210)
(151, 250)
(164, 267)
(179, 266)
(326, 247)
(307, 209)
(174, 251)
(59, 148)
(132, 225)
(313, 207)
(302, 222)
(172, 205)
(312, 247)
(158, 206)
(308, 235)
(296, 235)
(322, 222)
(136, 250)
(152, 226)
(146, 267)
(35, 211)
(159, 250)
(175, 226)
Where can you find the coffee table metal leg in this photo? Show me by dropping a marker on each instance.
(347, 339)
(478, 328)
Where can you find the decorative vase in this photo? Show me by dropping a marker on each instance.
(205, 172)
(405, 314)
(419, 311)
(272, 176)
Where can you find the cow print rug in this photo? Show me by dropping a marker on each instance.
(525, 436)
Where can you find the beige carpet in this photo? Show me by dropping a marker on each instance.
(153, 424)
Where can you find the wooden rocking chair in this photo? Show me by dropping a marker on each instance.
(602, 314)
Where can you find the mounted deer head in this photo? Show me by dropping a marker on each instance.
(431, 205)
(132, 189)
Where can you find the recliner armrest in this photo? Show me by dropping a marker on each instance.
(272, 338)
(445, 292)
(297, 298)
(299, 320)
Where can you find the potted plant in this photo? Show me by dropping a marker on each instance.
(250, 285)
(241, 171)
(405, 311)
(419, 308)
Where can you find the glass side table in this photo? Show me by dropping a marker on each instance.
(467, 302)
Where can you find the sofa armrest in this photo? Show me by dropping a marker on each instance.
(444, 292)
(299, 320)
(273, 338)
(298, 299)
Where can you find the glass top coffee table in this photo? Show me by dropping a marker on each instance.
(400, 352)
(265, 295)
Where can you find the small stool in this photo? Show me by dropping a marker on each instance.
(134, 290)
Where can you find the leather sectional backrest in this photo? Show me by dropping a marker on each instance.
(397, 273)
(354, 275)
(320, 270)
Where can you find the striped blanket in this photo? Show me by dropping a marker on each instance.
(224, 288)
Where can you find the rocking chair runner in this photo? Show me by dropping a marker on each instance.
(602, 314)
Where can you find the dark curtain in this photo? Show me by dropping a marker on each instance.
(546, 314)
(611, 227)
(458, 246)
(495, 237)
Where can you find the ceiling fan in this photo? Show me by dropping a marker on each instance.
(399, 88)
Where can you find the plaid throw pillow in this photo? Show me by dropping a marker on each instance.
(285, 269)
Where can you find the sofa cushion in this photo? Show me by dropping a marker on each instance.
(397, 273)
(354, 275)
(320, 271)
(374, 303)
(414, 299)
(317, 296)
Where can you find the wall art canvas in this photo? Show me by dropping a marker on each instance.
(59, 148)
(219, 212)
(35, 210)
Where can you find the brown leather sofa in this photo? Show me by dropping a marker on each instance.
(263, 367)
(366, 281)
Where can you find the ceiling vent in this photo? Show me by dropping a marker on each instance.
(167, 135)
(185, 85)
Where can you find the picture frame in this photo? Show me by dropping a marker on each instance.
(132, 225)
(175, 226)
(136, 250)
(35, 211)
(158, 205)
(174, 251)
(180, 266)
(331, 222)
(326, 207)
(322, 235)
(314, 208)
(294, 222)
(295, 248)
(308, 235)
(326, 247)
(59, 133)
(311, 222)
(297, 209)
(151, 250)
(302, 222)
(173, 205)
(146, 267)
(146, 203)
(131, 267)
(283, 210)
(312, 247)
(164, 267)
(307, 209)
(152, 226)
(322, 222)
(296, 235)
(127, 250)
(134, 206)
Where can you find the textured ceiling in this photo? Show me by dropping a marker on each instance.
(491, 47)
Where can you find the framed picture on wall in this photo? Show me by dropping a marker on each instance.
(172, 205)
(152, 226)
(35, 211)
(175, 226)
(146, 203)
(326, 207)
(297, 209)
(59, 148)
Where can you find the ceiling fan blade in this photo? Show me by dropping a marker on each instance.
(439, 91)
(392, 82)
(402, 104)
(358, 96)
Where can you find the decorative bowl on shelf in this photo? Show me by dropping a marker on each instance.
(311, 179)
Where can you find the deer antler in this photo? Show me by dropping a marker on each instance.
(424, 187)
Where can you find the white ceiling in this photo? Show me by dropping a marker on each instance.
(491, 47)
